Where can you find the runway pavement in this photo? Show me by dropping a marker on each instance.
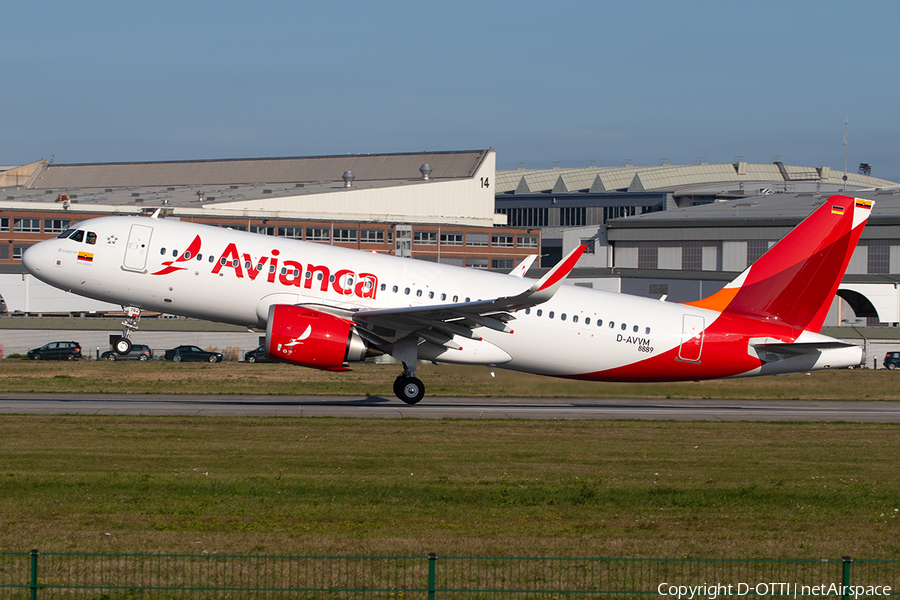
(451, 408)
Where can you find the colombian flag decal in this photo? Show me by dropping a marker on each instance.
(837, 210)
(861, 203)
(86, 256)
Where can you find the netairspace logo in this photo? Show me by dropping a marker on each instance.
(713, 591)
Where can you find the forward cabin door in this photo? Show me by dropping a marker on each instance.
(691, 339)
(137, 248)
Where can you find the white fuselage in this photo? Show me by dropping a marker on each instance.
(587, 330)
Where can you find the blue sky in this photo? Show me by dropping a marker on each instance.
(537, 81)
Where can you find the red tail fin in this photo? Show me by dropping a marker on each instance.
(796, 280)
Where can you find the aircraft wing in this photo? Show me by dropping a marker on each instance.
(438, 323)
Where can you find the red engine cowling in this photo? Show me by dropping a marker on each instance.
(308, 337)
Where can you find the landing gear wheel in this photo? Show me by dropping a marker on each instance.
(123, 346)
(409, 389)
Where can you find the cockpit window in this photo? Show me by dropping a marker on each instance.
(78, 236)
(66, 234)
(91, 237)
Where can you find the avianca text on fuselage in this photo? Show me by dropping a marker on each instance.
(291, 273)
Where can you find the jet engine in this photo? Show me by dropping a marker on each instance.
(311, 338)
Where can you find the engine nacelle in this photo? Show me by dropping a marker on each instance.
(311, 338)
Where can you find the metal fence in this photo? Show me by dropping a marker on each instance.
(39, 575)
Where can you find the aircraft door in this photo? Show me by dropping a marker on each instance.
(137, 247)
(691, 338)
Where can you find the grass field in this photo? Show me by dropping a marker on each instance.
(444, 380)
(455, 487)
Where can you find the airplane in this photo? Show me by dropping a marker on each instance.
(327, 307)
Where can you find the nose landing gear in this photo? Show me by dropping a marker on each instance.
(132, 316)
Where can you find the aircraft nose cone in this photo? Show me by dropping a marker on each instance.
(33, 258)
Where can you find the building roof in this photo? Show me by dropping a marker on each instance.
(672, 177)
(365, 167)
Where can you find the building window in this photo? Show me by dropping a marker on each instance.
(318, 234)
(477, 239)
(525, 217)
(56, 225)
(477, 263)
(501, 263)
(503, 241)
(345, 236)
(451, 239)
(590, 245)
(262, 229)
(372, 236)
(26, 225)
(879, 256)
(755, 249)
(658, 289)
(692, 256)
(4, 251)
(648, 255)
(527, 241)
(4, 223)
(572, 216)
(18, 251)
(295, 233)
(427, 238)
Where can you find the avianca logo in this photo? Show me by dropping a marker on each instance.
(169, 267)
(291, 273)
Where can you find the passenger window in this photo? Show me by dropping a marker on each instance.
(527, 311)
(383, 287)
(222, 262)
(550, 314)
(175, 254)
(247, 264)
(283, 270)
(599, 322)
(186, 256)
(587, 320)
(635, 329)
(419, 293)
(443, 296)
(455, 298)
(624, 326)
(540, 312)
(212, 258)
(395, 289)
(612, 324)
(91, 237)
(162, 251)
(235, 263)
(647, 331)
(431, 294)
(199, 256)
(406, 291)
(574, 318)
(468, 299)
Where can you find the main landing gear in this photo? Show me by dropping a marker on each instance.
(407, 387)
(132, 316)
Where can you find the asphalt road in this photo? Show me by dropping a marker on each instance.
(452, 408)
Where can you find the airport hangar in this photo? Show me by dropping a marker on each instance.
(679, 231)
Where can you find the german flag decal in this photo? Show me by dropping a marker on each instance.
(837, 210)
(862, 203)
(86, 256)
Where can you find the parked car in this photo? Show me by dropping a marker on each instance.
(258, 354)
(189, 353)
(138, 352)
(56, 351)
(891, 360)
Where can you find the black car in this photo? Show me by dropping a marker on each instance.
(891, 360)
(258, 354)
(189, 353)
(138, 352)
(56, 351)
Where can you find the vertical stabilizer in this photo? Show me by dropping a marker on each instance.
(796, 280)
